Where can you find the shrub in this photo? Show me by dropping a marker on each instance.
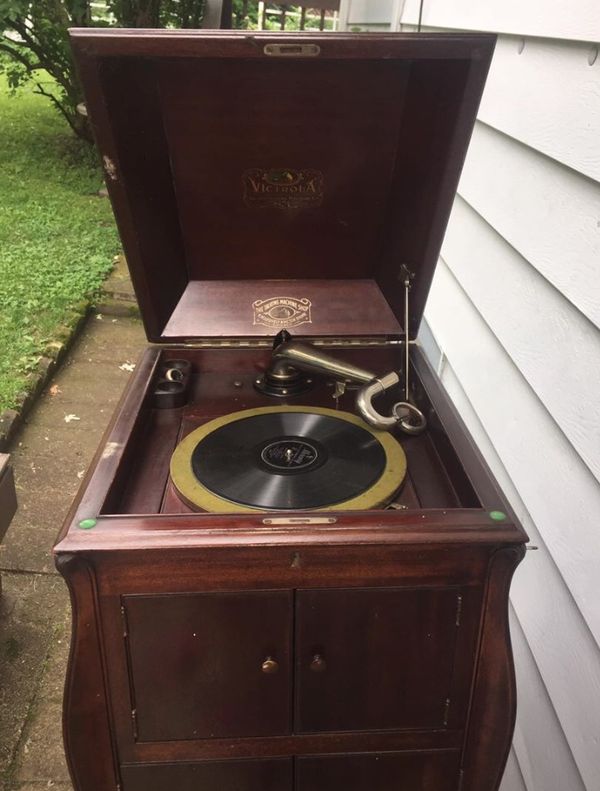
(35, 43)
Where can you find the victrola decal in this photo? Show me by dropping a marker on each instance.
(282, 312)
(282, 188)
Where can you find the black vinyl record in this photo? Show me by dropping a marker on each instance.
(288, 460)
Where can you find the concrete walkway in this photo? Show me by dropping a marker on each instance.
(50, 457)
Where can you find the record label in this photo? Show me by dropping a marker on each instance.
(289, 454)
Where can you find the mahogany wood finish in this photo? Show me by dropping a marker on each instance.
(89, 747)
(494, 705)
(288, 651)
(400, 641)
(258, 775)
(397, 674)
(210, 653)
(8, 496)
(379, 772)
(228, 305)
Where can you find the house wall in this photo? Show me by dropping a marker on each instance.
(513, 326)
(367, 14)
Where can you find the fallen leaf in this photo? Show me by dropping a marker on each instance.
(70, 418)
(54, 390)
(127, 366)
(99, 316)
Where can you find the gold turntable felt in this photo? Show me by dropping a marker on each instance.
(287, 458)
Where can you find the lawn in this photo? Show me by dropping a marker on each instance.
(57, 237)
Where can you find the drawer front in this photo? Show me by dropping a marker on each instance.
(261, 775)
(374, 658)
(197, 664)
(435, 771)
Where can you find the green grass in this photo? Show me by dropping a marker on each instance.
(57, 238)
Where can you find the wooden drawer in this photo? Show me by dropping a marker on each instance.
(260, 775)
(418, 771)
(389, 771)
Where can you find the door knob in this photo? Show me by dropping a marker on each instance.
(270, 665)
(318, 664)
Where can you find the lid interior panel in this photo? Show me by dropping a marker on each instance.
(223, 167)
(237, 131)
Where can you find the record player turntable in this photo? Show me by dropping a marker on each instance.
(288, 563)
(286, 458)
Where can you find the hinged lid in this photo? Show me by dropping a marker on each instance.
(263, 181)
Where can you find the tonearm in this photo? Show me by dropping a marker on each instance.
(290, 357)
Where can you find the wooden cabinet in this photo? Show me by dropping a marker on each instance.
(220, 664)
(357, 653)
(365, 659)
(268, 650)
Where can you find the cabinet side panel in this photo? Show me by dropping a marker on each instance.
(86, 717)
(493, 705)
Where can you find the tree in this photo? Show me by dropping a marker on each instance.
(34, 44)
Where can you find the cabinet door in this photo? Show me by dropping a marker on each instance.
(374, 658)
(262, 775)
(423, 771)
(210, 664)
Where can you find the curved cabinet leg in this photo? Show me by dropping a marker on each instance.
(86, 718)
(493, 708)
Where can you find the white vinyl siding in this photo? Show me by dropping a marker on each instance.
(512, 326)
(578, 20)
(367, 15)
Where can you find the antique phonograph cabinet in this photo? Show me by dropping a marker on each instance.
(289, 566)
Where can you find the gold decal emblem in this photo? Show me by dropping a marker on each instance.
(282, 188)
(282, 312)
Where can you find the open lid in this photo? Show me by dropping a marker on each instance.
(264, 181)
